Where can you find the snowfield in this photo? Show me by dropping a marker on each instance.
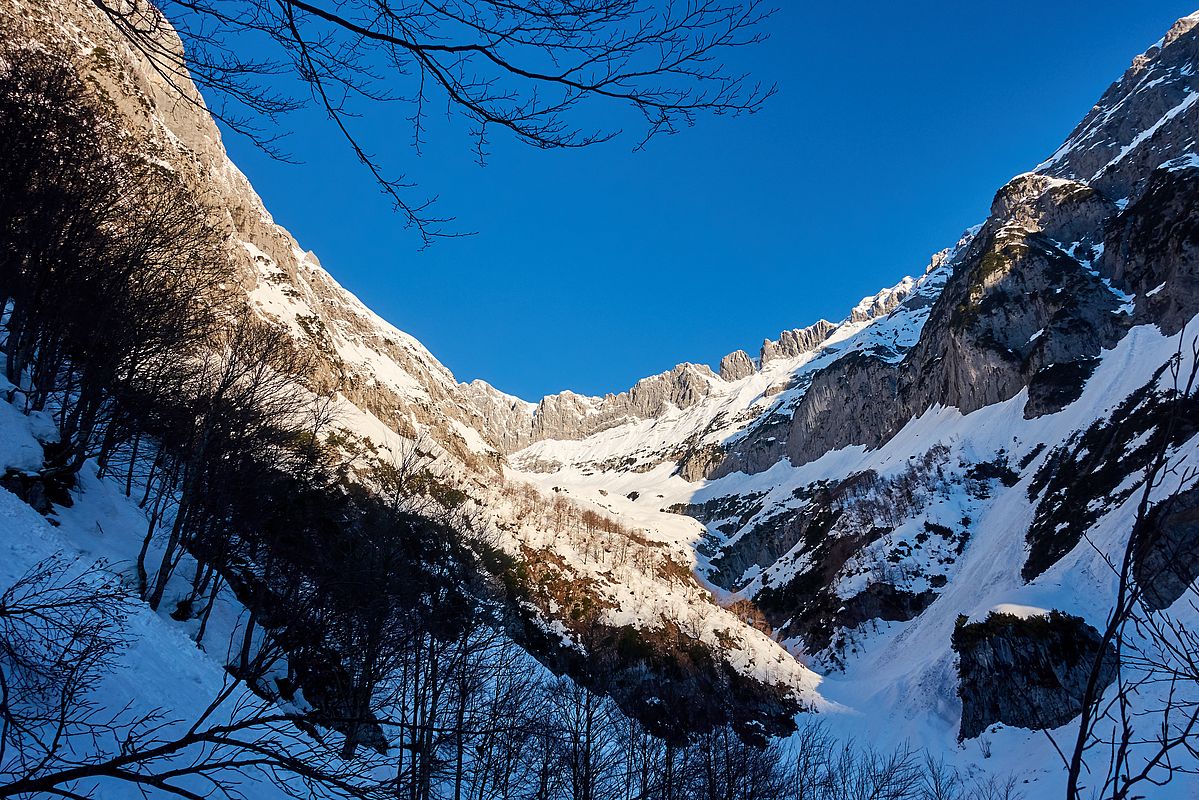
(899, 685)
(161, 669)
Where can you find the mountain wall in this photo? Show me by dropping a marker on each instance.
(395, 407)
(972, 440)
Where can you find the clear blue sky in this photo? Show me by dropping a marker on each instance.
(893, 127)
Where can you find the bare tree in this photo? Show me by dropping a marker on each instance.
(822, 768)
(61, 627)
(530, 68)
(110, 268)
(1125, 742)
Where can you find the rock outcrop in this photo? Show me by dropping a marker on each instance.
(736, 365)
(1029, 672)
(1167, 554)
(1152, 248)
(796, 342)
(881, 304)
(514, 424)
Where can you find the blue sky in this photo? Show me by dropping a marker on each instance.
(893, 127)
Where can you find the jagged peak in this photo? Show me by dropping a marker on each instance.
(881, 303)
(1180, 28)
(678, 370)
(672, 375)
(1142, 117)
(798, 341)
(795, 342)
(736, 365)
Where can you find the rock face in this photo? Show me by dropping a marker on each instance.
(375, 367)
(1018, 302)
(1167, 556)
(1152, 248)
(796, 342)
(736, 365)
(1041, 283)
(1100, 467)
(514, 424)
(1140, 122)
(1027, 672)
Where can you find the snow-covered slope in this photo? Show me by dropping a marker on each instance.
(160, 669)
(871, 482)
(393, 398)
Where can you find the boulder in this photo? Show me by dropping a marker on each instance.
(1028, 672)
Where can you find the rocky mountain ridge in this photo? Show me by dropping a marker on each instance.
(513, 424)
(1058, 235)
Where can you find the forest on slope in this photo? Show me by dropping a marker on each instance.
(364, 647)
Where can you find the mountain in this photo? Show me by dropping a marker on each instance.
(859, 521)
(968, 441)
(395, 402)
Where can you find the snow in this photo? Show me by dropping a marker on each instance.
(897, 686)
(162, 668)
(900, 684)
(474, 440)
(1011, 610)
(1146, 134)
(626, 575)
(1188, 161)
(907, 669)
(22, 448)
